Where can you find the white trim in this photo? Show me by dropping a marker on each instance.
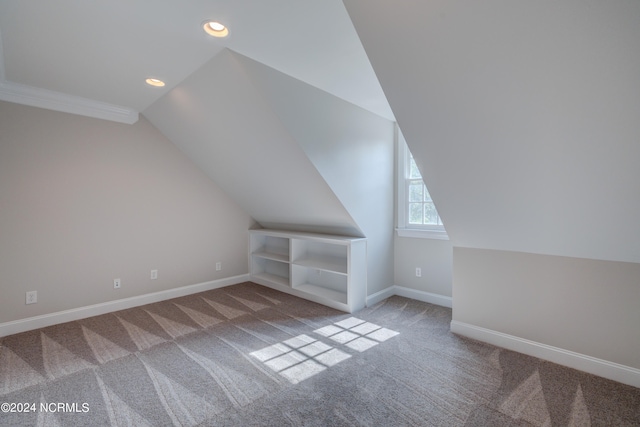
(423, 296)
(43, 98)
(380, 296)
(415, 294)
(603, 368)
(422, 234)
(23, 325)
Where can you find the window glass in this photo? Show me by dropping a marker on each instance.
(421, 211)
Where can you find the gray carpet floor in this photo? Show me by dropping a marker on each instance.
(246, 355)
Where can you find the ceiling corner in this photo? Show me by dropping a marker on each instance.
(51, 100)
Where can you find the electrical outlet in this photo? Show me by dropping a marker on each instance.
(218, 266)
(32, 297)
(154, 274)
(418, 272)
(116, 283)
(317, 272)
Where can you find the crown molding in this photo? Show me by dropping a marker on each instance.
(43, 98)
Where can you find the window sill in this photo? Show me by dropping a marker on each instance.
(422, 234)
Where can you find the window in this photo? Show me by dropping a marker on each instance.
(420, 208)
(417, 214)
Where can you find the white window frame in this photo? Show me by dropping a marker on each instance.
(404, 229)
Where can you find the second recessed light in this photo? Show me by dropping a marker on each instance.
(154, 82)
(215, 29)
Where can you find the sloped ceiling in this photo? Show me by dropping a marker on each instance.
(103, 50)
(524, 117)
(221, 121)
(351, 148)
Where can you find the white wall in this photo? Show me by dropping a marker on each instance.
(220, 120)
(351, 148)
(585, 306)
(84, 201)
(434, 257)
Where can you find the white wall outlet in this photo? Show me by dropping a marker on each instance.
(218, 266)
(418, 272)
(317, 272)
(116, 283)
(154, 274)
(32, 297)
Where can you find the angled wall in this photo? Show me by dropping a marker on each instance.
(85, 201)
(523, 119)
(221, 121)
(522, 116)
(351, 148)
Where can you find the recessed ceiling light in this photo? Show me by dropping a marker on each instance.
(215, 29)
(154, 82)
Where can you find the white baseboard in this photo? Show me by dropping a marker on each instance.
(436, 299)
(30, 323)
(603, 368)
(380, 296)
(401, 291)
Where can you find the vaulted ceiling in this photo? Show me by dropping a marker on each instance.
(99, 53)
(523, 116)
(285, 114)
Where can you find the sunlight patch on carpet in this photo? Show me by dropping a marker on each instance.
(356, 334)
(302, 357)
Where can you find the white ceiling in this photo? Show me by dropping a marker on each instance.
(103, 50)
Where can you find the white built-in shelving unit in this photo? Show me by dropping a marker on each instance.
(330, 270)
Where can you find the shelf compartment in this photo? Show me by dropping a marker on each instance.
(320, 256)
(271, 247)
(318, 282)
(272, 278)
(320, 291)
(271, 270)
(327, 263)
